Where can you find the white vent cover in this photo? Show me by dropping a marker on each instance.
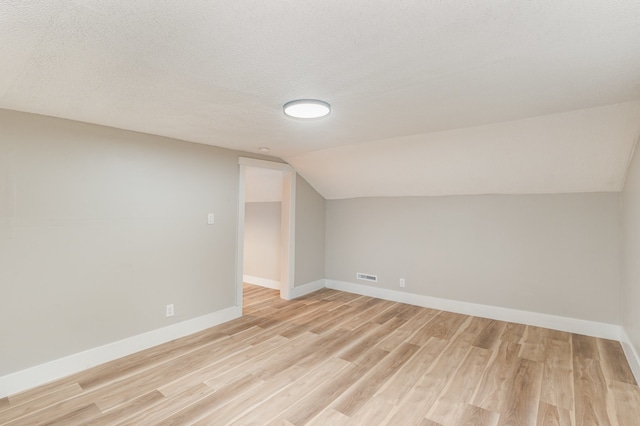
(367, 277)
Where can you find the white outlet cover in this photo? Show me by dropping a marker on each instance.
(211, 219)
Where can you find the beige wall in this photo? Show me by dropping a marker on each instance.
(553, 254)
(309, 234)
(262, 240)
(100, 229)
(631, 251)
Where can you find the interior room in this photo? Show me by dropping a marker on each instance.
(262, 227)
(302, 212)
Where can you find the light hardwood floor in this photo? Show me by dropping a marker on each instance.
(335, 358)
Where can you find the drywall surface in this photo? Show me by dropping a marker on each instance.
(570, 152)
(101, 228)
(262, 185)
(309, 234)
(631, 252)
(262, 240)
(552, 254)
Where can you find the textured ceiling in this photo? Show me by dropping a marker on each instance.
(428, 97)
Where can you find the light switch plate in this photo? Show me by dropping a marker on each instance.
(211, 219)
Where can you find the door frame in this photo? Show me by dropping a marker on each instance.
(287, 227)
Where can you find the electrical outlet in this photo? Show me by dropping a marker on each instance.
(211, 219)
(402, 283)
(169, 311)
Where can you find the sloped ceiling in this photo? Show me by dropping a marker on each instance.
(428, 97)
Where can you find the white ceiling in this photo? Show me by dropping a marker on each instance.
(262, 185)
(428, 97)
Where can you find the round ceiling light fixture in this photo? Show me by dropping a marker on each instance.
(307, 108)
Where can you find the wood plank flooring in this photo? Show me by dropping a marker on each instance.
(334, 358)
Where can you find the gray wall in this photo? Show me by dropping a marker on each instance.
(262, 240)
(554, 254)
(631, 250)
(100, 229)
(309, 234)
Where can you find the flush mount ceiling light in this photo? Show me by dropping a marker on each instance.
(307, 108)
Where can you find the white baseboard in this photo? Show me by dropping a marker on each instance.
(306, 289)
(632, 355)
(572, 325)
(53, 370)
(262, 282)
(38, 375)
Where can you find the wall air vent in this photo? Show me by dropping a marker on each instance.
(367, 277)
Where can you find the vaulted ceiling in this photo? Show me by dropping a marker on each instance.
(428, 97)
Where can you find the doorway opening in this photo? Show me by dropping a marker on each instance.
(265, 226)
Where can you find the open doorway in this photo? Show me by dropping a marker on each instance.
(262, 225)
(265, 248)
